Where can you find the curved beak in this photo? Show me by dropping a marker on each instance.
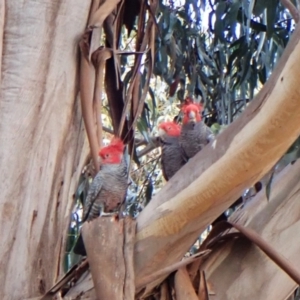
(192, 116)
(161, 132)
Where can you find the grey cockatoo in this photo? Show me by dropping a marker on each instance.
(172, 158)
(108, 189)
(194, 133)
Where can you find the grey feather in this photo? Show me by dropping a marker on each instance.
(172, 158)
(107, 191)
(194, 136)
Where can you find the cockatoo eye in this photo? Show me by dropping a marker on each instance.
(106, 155)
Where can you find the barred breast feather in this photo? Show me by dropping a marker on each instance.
(172, 158)
(194, 136)
(108, 189)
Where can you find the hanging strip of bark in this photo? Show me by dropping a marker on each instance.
(87, 86)
(203, 293)
(99, 58)
(109, 246)
(183, 286)
(88, 44)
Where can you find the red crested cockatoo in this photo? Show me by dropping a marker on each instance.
(194, 133)
(108, 189)
(172, 158)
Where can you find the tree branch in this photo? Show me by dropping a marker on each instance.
(114, 240)
(211, 181)
(263, 216)
(292, 9)
(151, 146)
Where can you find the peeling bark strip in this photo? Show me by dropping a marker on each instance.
(152, 277)
(109, 246)
(183, 286)
(88, 87)
(278, 222)
(212, 180)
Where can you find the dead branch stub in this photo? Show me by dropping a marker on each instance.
(109, 246)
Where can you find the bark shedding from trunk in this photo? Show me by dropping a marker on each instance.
(43, 144)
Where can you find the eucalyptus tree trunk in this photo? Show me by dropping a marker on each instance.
(43, 150)
(43, 143)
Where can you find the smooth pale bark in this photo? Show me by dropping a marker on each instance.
(216, 176)
(42, 138)
(183, 286)
(109, 244)
(240, 270)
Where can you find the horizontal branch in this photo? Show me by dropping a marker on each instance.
(151, 146)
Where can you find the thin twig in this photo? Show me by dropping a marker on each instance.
(146, 150)
(108, 130)
(143, 165)
(148, 177)
(138, 142)
(151, 146)
(135, 70)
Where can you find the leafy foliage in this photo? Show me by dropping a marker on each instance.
(221, 52)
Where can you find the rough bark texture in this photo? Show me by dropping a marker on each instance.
(42, 139)
(109, 245)
(278, 222)
(213, 179)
